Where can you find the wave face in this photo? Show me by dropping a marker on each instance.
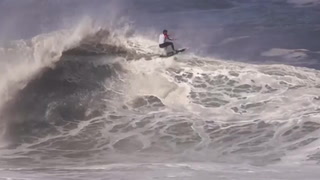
(93, 101)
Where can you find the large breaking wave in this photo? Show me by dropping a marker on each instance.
(105, 97)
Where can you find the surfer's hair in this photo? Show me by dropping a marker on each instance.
(165, 31)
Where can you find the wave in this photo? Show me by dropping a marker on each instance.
(24, 62)
(22, 59)
(302, 3)
(95, 104)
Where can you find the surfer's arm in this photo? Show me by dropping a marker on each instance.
(171, 39)
(167, 37)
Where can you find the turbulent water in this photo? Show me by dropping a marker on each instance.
(85, 95)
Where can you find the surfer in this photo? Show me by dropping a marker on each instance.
(163, 40)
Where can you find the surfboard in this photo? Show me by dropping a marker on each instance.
(173, 53)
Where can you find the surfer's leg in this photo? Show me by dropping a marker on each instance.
(169, 44)
(172, 46)
(166, 44)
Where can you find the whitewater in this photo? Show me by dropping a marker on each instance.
(93, 100)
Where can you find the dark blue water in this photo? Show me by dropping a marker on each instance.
(242, 31)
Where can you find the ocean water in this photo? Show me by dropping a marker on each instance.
(85, 95)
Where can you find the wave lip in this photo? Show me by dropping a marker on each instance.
(302, 3)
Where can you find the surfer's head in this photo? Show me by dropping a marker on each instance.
(165, 31)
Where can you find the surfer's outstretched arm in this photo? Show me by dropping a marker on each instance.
(171, 39)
